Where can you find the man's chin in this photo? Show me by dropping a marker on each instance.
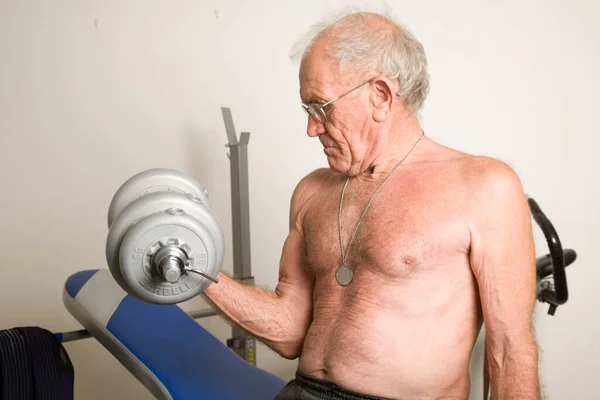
(335, 165)
(331, 162)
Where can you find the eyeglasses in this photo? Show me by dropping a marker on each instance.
(318, 110)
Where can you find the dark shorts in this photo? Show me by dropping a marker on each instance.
(306, 387)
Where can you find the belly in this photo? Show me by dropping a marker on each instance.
(409, 341)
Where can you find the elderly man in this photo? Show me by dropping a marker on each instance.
(398, 251)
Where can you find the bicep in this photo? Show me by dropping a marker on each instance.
(294, 289)
(295, 278)
(503, 259)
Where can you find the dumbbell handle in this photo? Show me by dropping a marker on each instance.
(210, 278)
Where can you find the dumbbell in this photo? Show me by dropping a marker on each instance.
(150, 181)
(164, 244)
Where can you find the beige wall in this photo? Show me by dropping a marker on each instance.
(93, 92)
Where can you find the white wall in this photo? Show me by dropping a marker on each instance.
(93, 92)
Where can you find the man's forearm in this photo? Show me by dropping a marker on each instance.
(515, 374)
(263, 313)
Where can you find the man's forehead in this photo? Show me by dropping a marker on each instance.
(316, 77)
(317, 62)
(312, 89)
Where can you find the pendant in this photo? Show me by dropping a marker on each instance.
(343, 275)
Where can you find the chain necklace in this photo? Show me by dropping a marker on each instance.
(343, 275)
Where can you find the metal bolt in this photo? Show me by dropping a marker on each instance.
(170, 269)
(169, 262)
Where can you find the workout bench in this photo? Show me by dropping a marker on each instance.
(161, 345)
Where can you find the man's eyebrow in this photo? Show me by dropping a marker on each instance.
(315, 99)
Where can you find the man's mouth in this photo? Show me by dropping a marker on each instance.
(327, 144)
(331, 151)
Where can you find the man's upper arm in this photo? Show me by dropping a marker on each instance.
(503, 256)
(295, 278)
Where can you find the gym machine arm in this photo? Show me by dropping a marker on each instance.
(555, 293)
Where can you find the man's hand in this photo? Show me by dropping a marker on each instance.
(503, 262)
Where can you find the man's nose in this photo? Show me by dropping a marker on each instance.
(314, 127)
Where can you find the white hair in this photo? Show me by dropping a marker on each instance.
(390, 50)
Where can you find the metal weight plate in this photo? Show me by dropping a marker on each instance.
(176, 228)
(150, 181)
(153, 203)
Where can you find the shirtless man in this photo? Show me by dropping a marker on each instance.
(445, 243)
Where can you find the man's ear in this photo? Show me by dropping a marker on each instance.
(382, 98)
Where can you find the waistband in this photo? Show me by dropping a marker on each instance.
(326, 390)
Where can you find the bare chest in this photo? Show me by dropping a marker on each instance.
(405, 231)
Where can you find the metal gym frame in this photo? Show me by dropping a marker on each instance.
(240, 342)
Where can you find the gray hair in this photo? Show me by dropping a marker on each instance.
(390, 50)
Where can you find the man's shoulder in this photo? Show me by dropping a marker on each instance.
(475, 172)
(309, 185)
(312, 182)
(488, 175)
(493, 186)
(317, 176)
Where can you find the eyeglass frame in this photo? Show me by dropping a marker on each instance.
(319, 109)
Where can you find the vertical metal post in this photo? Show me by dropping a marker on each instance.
(241, 343)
